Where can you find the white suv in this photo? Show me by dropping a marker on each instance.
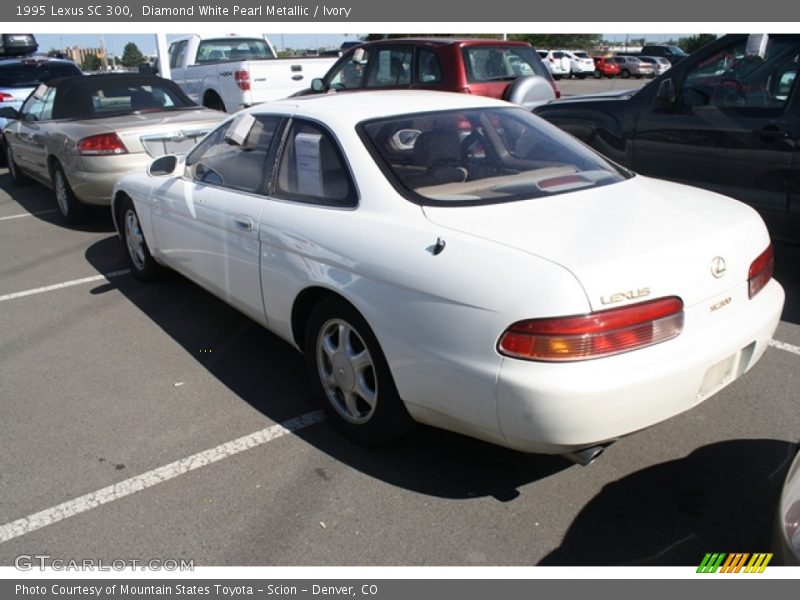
(557, 61)
(581, 64)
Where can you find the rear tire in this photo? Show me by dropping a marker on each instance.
(350, 375)
(142, 264)
(598, 74)
(72, 211)
(625, 74)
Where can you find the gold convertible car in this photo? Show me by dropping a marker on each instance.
(79, 134)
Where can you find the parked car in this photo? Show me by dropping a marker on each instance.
(726, 119)
(581, 64)
(786, 539)
(454, 260)
(78, 134)
(230, 72)
(497, 68)
(558, 61)
(603, 67)
(660, 65)
(672, 53)
(631, 66)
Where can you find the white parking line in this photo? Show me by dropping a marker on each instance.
(784, 346)
(41, 212)
(130, 486)
(58, 286)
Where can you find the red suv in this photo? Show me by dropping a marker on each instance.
(602, 67)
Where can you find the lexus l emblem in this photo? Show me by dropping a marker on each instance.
(718, 267)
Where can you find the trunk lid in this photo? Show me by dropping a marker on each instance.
(636, 240)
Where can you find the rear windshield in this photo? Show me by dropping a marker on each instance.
(30, 74)
(501, 63)
(233, 49)
(482, 156)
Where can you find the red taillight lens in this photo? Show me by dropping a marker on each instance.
(761, 271)
(242, 80)
(6, 97)
(105, 143)
(555, 89)
(597, 334)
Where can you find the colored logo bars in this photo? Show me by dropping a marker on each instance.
(733, 563)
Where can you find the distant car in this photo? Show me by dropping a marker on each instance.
(786, 540)
(727, 119)
(631, 66)
(79, 134)
(503, 69)
(660, 65)
(454, 260)
(603, 67)
(581, 64)
(558, 61)
(19, 76)
(672, 53)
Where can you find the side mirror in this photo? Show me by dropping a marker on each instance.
(164, 165)
(317, 85)
(666, 94)
(9, 113)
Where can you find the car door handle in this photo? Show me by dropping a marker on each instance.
(244, 222)
(771, 132)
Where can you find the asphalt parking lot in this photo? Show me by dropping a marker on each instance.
(155, 422)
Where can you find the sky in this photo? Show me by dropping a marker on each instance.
(115, 42)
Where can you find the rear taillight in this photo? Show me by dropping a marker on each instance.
(555, 89)
(597, 334)
(6, 97)
(105, 143)
(242, 80)
(761, 271)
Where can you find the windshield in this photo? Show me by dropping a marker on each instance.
(22, 75)
(501, 63)
(483, 156)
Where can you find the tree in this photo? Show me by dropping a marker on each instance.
(695, 42)
(555, 41)
(132, 56)
(91, 63)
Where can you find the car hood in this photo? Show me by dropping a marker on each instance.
(638, 238)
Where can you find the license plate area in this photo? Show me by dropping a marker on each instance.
(725, 371)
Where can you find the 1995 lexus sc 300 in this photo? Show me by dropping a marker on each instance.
(456, 261)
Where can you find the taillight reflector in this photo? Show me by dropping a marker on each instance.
(102, 144)
(597, 334)
(761, 271)
(242, 80)
(6, 97)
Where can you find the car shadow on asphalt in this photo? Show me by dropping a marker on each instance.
(41, 203)
(720, 498)
(269, 374)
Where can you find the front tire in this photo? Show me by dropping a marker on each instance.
(72, 211)
(625, 74)
(350, 375)
(142, 264)
(18, 178)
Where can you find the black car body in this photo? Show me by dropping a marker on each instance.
(721, 119)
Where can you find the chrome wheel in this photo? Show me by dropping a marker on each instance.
(62, 193)
(347, 371)
(134, 239)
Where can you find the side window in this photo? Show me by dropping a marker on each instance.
(47, 106)
(730, 79)
(351, 72)
(236, 155)
(32, 108)
(312, 169)
(177, 53)
(428, 67)
(390, 66)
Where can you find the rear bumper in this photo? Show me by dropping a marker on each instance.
(560, 407)
(93, 178)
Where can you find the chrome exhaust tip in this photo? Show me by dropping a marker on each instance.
(586, 456)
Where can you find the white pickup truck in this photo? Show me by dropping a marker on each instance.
(235, 71)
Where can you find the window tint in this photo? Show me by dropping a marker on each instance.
(729, 79)
(312, 169)
(428, 67)
(236, 155)
(390, 66)
(350, 74)
(233, 49)
(483, 156)
(177, 53)
(501, 63)
(29, 74)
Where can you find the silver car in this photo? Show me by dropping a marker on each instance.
(660, 65)
(78, 135)
(631, 66)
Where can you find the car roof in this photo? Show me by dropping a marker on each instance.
(350, 108)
